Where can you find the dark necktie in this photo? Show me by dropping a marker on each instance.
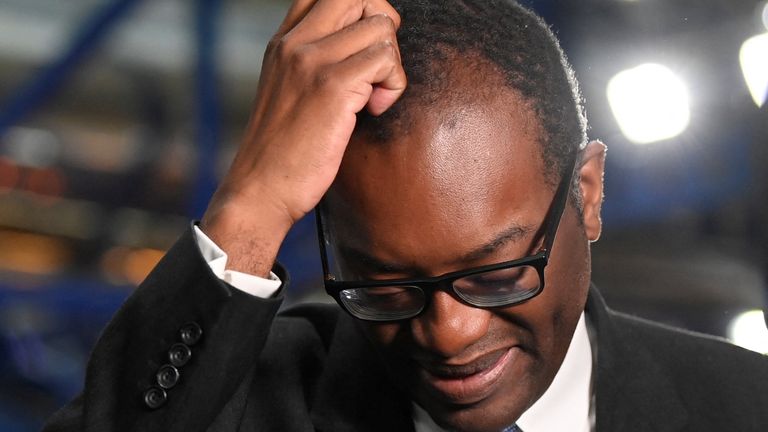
(512, 428)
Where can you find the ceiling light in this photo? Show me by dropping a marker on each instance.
(650, 103)
(748, 330)
(753, 57)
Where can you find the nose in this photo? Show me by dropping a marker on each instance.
(448, 326)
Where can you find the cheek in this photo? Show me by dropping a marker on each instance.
(552, 315)
(570, 268)
(381, 335)
(568, 277)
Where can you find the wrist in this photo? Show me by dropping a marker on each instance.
(249, 229)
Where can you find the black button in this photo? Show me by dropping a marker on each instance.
(167, 376)
(190, 333)
(179, 354)
(155, 397)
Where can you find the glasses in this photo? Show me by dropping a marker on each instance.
(504, 284)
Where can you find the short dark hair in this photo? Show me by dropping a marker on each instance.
(514, 41)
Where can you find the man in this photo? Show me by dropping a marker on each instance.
(455, 228)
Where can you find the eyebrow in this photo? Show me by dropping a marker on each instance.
(512, 233)
(374, 263)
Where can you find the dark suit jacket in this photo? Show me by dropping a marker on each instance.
(309, 369)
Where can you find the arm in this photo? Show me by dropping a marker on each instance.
(134, 346)
(329, 60)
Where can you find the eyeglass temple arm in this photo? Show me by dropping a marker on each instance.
(561, 198)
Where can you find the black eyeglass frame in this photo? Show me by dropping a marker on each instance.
(429, 285)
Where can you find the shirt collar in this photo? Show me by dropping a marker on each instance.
(565, 405)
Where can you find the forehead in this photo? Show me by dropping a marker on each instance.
(462, 172)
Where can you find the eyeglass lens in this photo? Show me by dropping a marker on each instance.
(487, 289)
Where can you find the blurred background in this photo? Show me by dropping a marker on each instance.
(118, 116)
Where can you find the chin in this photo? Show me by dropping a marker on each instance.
(478, 418)
(493, 414)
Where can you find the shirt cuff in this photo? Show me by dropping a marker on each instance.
(217, 261)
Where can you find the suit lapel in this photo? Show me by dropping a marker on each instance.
(354, 392)
(632, 391)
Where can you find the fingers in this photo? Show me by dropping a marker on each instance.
(329, 16)
(384, 96)
(386, 9)
(357, 37)
(376, 78)
(353, 42)
(296, 13)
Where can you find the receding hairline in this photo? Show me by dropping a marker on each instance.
(509, 36)
(458, 90)
(458, 85)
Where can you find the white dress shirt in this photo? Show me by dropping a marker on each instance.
(567, 405)
(217, 260)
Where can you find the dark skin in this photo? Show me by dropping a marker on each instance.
(465, 186)
(328, 60)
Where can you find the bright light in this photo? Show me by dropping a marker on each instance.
(754, 64)
(748, 330)
(764, 15)
(650, 103)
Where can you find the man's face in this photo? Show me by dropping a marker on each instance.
(443, 197)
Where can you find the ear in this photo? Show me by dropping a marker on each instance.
(591, 186)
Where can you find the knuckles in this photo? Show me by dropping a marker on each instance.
(384, 48)
(296, 59)
(273, 45)
(390, 11)
(384, 23)
(382, 26)
(281, 48)
(302, 60)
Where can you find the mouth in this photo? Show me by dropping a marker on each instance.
(471, 382)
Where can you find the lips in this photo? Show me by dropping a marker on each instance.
(471, 382)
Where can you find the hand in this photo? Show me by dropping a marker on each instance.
(328, 60)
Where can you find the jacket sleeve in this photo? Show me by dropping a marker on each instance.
(174, 354)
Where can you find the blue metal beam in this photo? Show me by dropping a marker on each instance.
(45, 84)
(208, 110)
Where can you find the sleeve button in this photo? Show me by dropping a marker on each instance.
(167, 376)
(179, 354)
(190, 333)
(155, 397)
